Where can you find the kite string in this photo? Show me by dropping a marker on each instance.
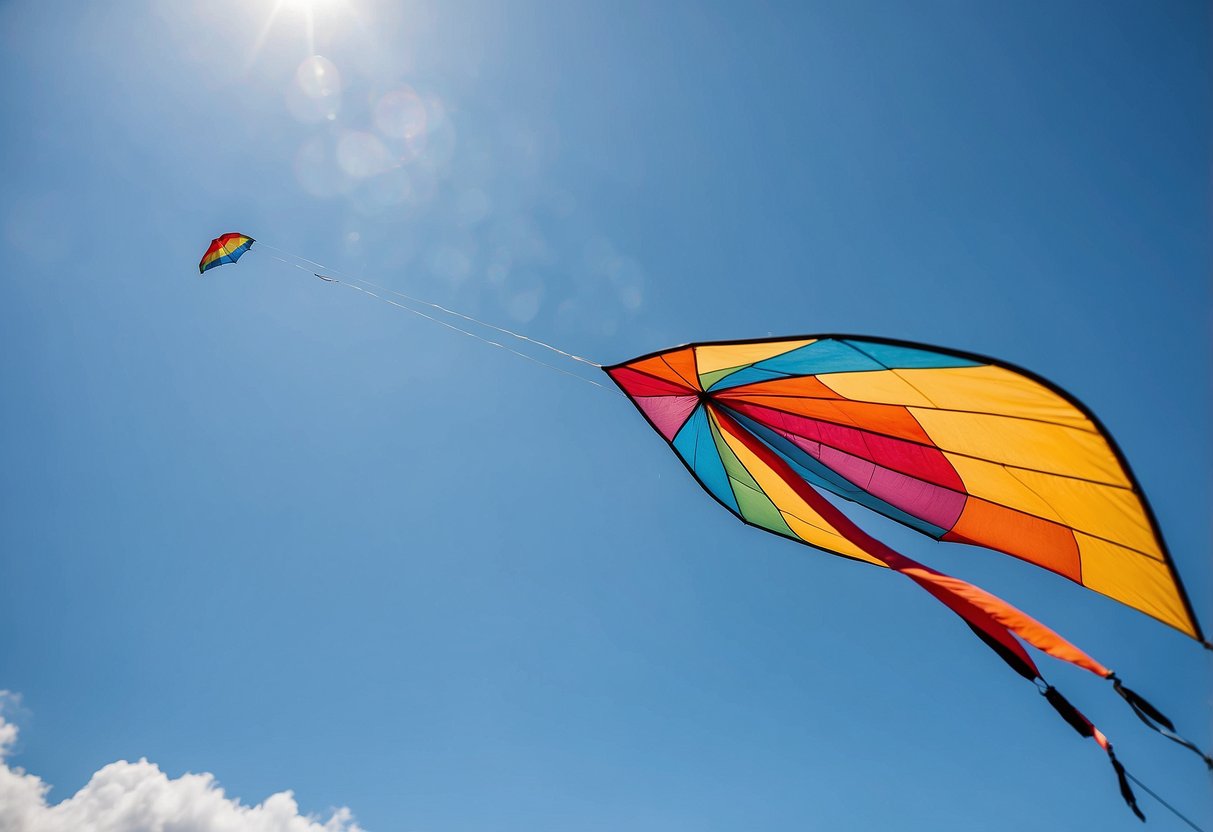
(474, 335)
(439, 307)
(1171, 808)
(444, 323)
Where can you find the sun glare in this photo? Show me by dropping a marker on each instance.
(306, 5)
(309, 9)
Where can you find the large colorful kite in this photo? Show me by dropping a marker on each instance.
(956, 446)
(959, 447)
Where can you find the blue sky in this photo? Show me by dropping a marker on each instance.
(260, 526)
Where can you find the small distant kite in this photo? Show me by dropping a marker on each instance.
(226, 248)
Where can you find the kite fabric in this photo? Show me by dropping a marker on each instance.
(226, 248)
(959, 447)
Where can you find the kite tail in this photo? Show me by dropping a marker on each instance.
(997, 623)
(1156, 720)
(1086, 728)
(950, 590)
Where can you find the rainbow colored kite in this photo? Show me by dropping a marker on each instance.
(959, 447)
(226, 248)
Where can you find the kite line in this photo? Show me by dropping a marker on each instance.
(352, 281)
(1173, 810)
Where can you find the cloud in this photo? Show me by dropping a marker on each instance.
(139, 797)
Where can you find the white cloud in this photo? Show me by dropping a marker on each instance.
(139, 797)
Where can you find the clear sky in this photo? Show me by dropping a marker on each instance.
(257, 525)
